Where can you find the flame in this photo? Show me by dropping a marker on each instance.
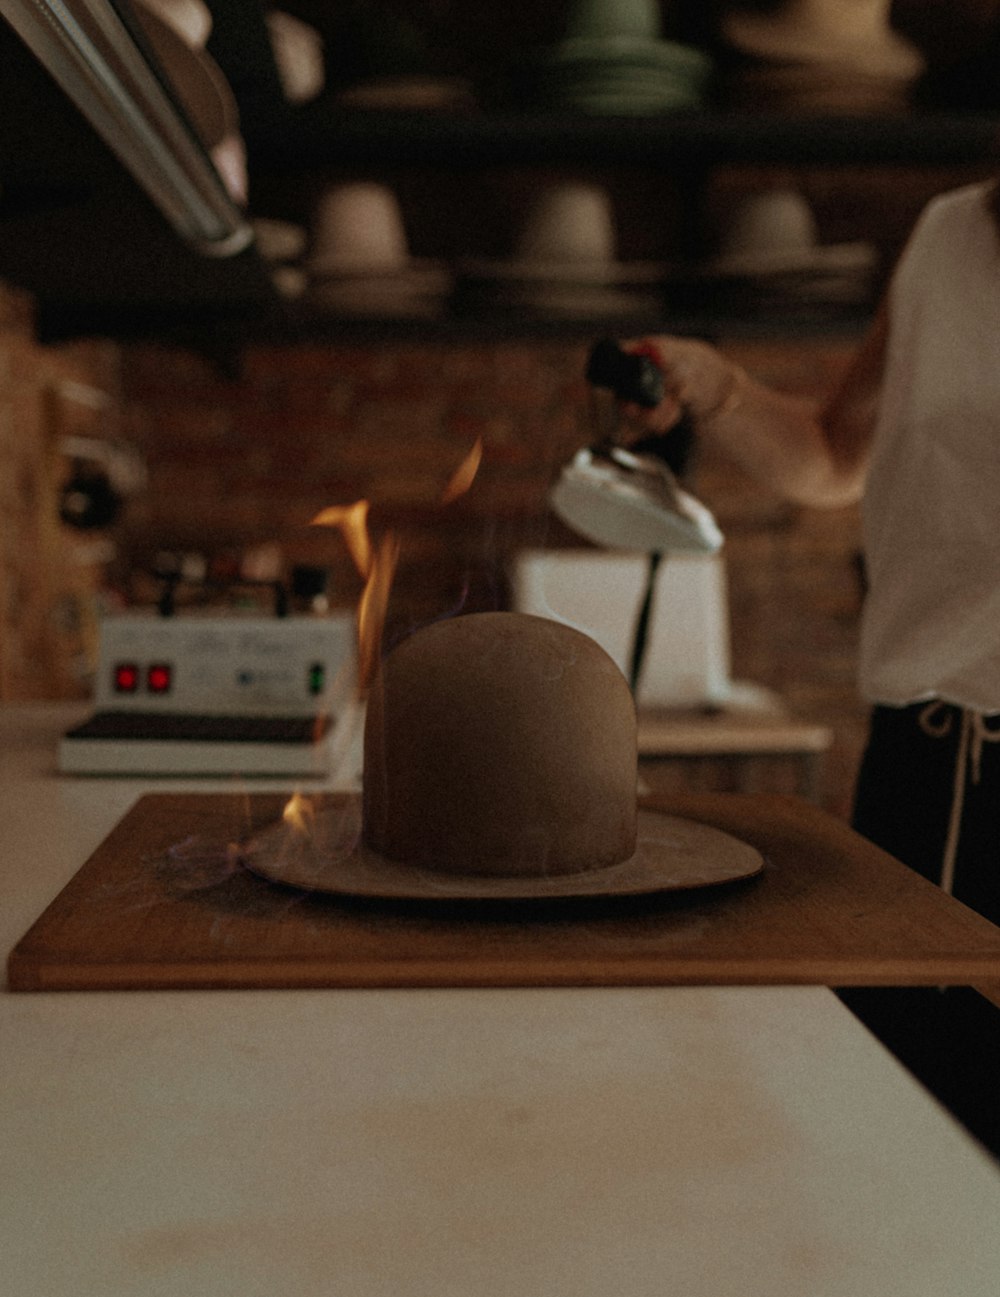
(372, 608)
(352, 519)
(377, 566)
(465, 474)
(299, 814)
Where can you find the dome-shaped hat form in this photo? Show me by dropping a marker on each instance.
(500, 764)
(500, 744)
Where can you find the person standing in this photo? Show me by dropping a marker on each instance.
(913, 431)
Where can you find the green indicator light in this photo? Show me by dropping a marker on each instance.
(317, 678)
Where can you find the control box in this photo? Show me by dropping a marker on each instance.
(217, 695)
(216, 665)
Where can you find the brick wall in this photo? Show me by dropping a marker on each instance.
(241, 463)
(237, 464)
(49, 576)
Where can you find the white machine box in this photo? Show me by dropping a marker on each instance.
(687, 662)
(193, 694)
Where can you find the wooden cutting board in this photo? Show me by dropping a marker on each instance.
(164, 903)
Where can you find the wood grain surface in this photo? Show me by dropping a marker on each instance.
(164, 902)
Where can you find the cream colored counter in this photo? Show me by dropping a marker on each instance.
(455, 1143)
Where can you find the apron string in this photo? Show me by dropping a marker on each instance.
(973, 734)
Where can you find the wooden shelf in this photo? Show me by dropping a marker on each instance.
(227, 330)
(321, 137)
(77, 233)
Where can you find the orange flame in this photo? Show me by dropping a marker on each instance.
(465, 474)
(377, 566)
(372, 609)
(299, 814)
(352, 519)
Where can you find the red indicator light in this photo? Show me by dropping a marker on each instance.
(159, 678)
(126, 678)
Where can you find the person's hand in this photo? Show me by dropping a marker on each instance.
(698, 381)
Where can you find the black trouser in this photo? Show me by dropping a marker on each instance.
(950, 1040)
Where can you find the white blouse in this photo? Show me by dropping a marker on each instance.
(931, 625)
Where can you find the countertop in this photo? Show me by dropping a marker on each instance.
(626, 1140)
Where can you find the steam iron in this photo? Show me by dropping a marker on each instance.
(623, 498)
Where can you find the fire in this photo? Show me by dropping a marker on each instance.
(299, 814)
(372, 608)
(465, 474)
(377, 566)
(352, 519)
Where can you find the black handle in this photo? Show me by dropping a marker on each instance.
(639, 379)
(630, 377)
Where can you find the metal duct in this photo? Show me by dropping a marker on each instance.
(89, 51)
